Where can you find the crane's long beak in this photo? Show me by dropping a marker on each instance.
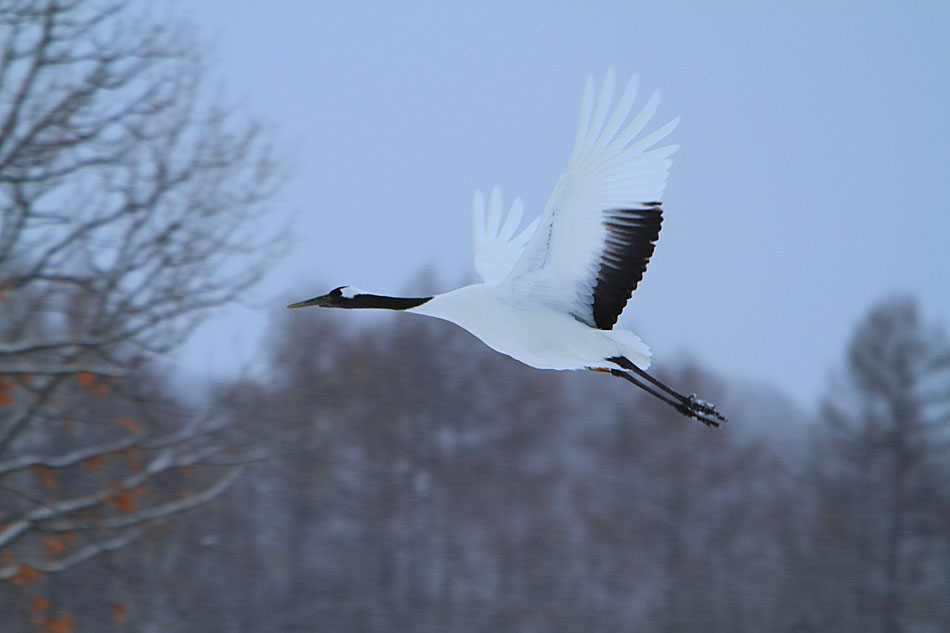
(316, 301)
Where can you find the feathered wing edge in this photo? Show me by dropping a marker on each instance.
(606, 163)
(609, 172)
(497, 247)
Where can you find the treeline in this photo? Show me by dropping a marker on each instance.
(415, 481)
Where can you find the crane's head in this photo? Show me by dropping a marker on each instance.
(341, 297)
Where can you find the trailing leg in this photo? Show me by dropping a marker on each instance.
(690, 406)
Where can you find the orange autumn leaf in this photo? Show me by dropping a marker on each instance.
(131, 425)
(124, 503)
(46, 474)
(133, 459)
(94, 463)
(124, 498)
(119, 612)
(87, 379)
(54, 545)
(92, 383)
(25, 574)
(39, 603)
(62, 623)
(5, 397)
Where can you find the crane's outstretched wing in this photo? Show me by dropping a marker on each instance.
(599, 227)
(497, 247)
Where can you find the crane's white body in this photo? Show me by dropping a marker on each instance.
(535, 334)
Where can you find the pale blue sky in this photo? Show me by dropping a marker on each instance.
(812, 178)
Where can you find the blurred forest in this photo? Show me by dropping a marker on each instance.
(399, 476)
(416, 481)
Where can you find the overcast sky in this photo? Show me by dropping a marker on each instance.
(813, 177)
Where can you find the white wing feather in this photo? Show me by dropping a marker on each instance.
(497, 247)
(607, 170)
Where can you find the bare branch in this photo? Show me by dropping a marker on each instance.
(69, 459)
(80, 555)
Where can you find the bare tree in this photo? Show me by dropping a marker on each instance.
(128, 206)
(880, 521)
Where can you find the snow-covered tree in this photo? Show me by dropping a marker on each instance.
(127, 200)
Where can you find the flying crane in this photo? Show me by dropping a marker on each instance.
(552, 292)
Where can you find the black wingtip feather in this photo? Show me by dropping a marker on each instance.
(631, 237)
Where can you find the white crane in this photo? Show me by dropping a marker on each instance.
(552, 293)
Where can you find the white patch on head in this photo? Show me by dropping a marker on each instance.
(348, 292)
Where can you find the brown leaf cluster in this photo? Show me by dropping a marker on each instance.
(26, 574)
(62, 622)
(47, 475)
(124, 498)
(92, 383)
(5, 387)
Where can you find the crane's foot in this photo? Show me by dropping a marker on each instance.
(690, 406)
(705, 412)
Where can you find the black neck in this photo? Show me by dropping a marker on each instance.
(385, 303)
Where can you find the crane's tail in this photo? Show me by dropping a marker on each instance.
(633, 349)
